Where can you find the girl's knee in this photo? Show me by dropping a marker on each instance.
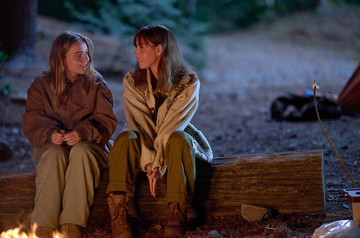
(86, 152)
(82, 146)
(80, 150)
(53, 149)
(51, 155)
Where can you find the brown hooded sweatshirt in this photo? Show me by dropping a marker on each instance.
(90, 115)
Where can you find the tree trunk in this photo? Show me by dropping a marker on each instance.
(288, 182)
(17, 27)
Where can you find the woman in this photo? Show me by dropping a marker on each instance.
(160, 98)
(68, 120)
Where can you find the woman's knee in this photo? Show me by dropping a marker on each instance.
(130, 135)
(179, 138)
(125, 136)
(177, 142)
(179, 150)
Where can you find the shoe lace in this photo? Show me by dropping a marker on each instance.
(120, 213)
(178, 212)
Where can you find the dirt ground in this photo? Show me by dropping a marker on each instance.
(245, 72)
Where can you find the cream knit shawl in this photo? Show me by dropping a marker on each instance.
(174, 114)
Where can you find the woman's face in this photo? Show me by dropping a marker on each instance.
(76, 61)
(148, 56)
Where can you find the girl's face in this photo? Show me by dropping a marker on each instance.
(148, 56)
(76, 61)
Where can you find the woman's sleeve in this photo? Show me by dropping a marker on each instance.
(100, 126)
(38, 126)
(139, 119)
(178, 117)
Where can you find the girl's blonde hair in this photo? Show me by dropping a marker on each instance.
(172, 65)
(56, 74)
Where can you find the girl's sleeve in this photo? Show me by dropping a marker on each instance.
(38, 126)
(178, 117)
(100, 126)
(139, 119)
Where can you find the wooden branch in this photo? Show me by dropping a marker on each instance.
(289, 182)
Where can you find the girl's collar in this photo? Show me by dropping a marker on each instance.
(76, 81)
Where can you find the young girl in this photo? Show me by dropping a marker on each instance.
(68, 120)
(160, 97)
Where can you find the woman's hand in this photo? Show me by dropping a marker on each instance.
(57, 137)
(153, 177)
(71, 138)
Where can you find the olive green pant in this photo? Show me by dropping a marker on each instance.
(65, 182)
(179, 158)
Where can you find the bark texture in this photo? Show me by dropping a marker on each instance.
(289, 182)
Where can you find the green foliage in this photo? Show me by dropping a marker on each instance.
(229, 15)
(5, 88)
(350, 2)
(3, 57)
(283, 7)
(237, 14)
(122, 18)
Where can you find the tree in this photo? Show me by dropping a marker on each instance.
(17, 31)
(188, 7)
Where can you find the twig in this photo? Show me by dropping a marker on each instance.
(315, 86)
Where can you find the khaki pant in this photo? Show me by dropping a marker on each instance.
(179, 158)
(65, 182)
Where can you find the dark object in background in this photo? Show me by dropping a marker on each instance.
(293, 107)
(5, 152)
(18, 30)
(349, 98)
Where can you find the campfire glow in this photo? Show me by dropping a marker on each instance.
(17, 233)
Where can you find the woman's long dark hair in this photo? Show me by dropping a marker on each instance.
(56, 74)
(172, 66)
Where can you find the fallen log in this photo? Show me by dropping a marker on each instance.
(289, 182)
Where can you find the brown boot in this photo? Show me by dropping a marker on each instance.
(44, 232)
(72, 231)
(119, 216)
(178, 222)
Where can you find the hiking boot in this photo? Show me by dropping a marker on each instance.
(178, 222)
(119, 216)
(44, 232)
(72, 231)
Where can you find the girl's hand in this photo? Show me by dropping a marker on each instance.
(57, 137)
(71, 138)
(153, 178)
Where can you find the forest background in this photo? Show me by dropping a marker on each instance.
(247, 53)
(190, 20)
